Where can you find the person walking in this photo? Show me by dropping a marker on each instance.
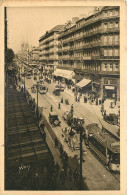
(62, 100)
(59, 106)
(51, 108)
(56, 142)
(61, 151)
(104, 114)
(70, 174)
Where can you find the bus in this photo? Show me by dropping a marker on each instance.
(42, 89)
(104, 146)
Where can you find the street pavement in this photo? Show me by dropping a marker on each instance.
(95, 175)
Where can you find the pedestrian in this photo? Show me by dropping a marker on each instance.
(76, 99)
(59, 106)
(104, 114)
(70, 174)
(61, 151)
(62, 100)
(102, 107)
(47, 89)
(44, 135)
(75, 176)
(56, 142)
(72, 108)
(51, 108)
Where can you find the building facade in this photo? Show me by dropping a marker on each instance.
(91, 48)
(48, 45)
(34, 57)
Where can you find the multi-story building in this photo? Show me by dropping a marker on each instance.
(34, 56)
(48, 45)
(91, 48)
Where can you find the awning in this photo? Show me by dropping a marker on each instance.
(83, 83)
(68, 74)
(110, 87)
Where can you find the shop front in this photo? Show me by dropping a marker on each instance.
(65, 76)
(110, 92)
(84, 86)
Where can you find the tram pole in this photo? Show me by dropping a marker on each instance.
(37, 106)
(80, 184)
(24, 83)
(80, 124)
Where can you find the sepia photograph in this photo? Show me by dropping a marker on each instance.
(62, 98)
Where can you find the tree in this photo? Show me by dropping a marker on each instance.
(10, 55)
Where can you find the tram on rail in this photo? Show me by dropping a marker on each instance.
(104, 146)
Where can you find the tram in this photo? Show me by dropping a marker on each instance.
(104, 146)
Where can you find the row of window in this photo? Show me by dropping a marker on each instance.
(109, 81)
(111, 52)
(106, 25)
(105, 13)
(111, 65)
(93, 67)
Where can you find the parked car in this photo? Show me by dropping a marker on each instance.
(35, 78)
(112, 119)
(41, 81)
(28, 76)
(33, 89)
(56, 91)
(53, 119)
(42, 89)
(61, 87)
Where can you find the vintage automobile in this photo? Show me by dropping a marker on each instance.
(42, 89)
(48, 80)
(33, 89)
(22, 74)
(54, 120)
(35, 78)
(66, 115)
(28, 76)
(41, 81)
(112, 119)
(40, 77)
(56, 91)
(61, 87)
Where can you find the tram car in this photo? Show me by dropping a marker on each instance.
(104, 146)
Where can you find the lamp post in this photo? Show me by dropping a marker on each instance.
(80, 125)
(37, 105)
(24, 81)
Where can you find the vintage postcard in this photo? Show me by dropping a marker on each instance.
(63, 97)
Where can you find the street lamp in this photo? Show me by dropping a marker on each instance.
(24, 81)
(80, 126)
(37, 104)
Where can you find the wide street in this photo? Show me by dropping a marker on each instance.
(95, 175)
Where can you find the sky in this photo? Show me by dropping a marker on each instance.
(30, 23)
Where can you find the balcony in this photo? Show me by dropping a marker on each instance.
(65, 49)
(65, 57)
(77, 69)
(95, 57)
(91, 21)
(86, 57)
(71, 58)
(65, 67)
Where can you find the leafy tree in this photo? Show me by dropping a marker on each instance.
(10, 55)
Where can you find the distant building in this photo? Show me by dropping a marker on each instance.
(91, 48)
(34, 56)
(48, 45)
